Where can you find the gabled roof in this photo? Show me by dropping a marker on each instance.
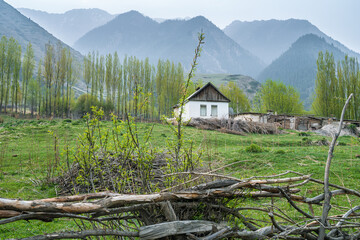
(208, 93)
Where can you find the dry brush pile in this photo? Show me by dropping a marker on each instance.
(213, 210)
(232, 126)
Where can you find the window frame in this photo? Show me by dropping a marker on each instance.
(203, 106)
(217, 110)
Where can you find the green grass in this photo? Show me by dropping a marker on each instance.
(26, 148)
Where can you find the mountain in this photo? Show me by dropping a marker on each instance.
(132, 33)
(71, 25)
(246, 83)
(297, 66)
(269, 39)
(14, 24)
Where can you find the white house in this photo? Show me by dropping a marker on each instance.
(206, 102)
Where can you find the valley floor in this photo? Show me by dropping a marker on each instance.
(27, 151)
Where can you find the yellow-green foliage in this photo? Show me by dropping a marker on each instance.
(276, 96)
(333, 84)
(239, 101)
(254, 148)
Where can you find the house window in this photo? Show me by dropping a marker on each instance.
(214, 110)
(203, 110)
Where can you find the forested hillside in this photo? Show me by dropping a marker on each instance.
(268, 39)
(132, 33)
(71, 25)
(297, 66)
(247, 84)
(23, 30)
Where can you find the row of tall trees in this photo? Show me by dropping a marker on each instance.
(334, 83)
(133, 85)
(55, 81)
(10, 64)
(48, 91)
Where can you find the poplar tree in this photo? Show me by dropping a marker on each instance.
(159, 82)
(101, 78)
(16, 96)
(108, 78)
(334, 84)
(10, 64)
(87, 71)
(27, 71)
(39, 79)
(49, 75)
(3, 46)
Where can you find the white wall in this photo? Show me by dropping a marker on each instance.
(192, 109)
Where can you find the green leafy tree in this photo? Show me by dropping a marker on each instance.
(239, 101)
(333, 84)
(85, 102)
(282, 99)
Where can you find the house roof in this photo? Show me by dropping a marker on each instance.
(213, 95)
(208, 93)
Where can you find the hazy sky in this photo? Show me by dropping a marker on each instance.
(337, 18)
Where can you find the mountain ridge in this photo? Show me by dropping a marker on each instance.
(14, 24)
(171, 39)
(72, 24)
(300, 64)
(268, 39)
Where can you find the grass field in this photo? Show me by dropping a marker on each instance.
(27, 149)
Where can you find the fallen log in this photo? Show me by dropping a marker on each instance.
(176, 228)
(118, 200)
(166, 214)
(83, 235)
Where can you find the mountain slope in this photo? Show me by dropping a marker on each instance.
(132, 33)
(14, 24)
(297, 66)
(245, 83)
(71, 25)
(269, 39)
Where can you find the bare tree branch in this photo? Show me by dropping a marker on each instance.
(83, 234)
(326, 204)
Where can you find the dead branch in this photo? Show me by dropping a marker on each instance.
(45, 217)
(81, 197)
(165, 214)
(294, 205)
(268, 181)
(119, 200)
(8, 214)
(342, 220)
(327, 193)
(176, 228)
(83, 234)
